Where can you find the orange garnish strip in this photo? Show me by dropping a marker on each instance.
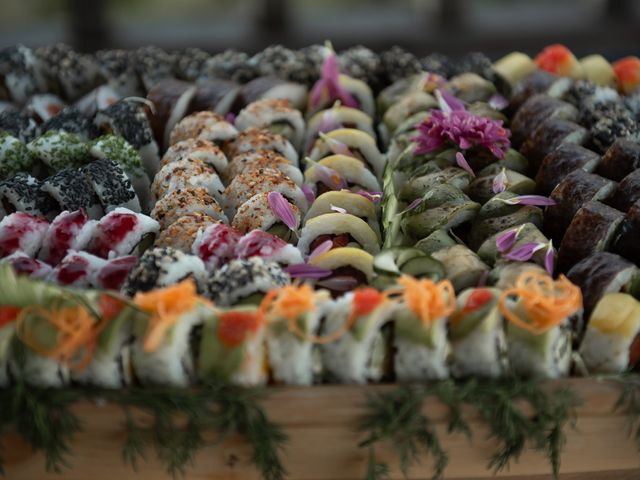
(427, 299)
(546, 302)
(165, 306)
(77, 329)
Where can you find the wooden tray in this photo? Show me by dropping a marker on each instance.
(321, 423)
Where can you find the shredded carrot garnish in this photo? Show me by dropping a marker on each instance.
(428, 300)
(165, 305)
(77, 331)
(545, 302)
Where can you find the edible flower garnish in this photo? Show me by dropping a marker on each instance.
(328, 88)
(431, 81)
(462, 163)
(427, 299)
(375, 197)
(338, 283)
(525, 251)
(165, 305)
(549, 258)
(542, 302)
(290, 302)
(308, 193)
(447, 102)
(537, 200)
(500, 182)
(506, 239)
(231, 118)
(324, 247)
(282, 209)
(336, 146)
(327, 175)
(306, 270)
(498, 102)
(412, 205)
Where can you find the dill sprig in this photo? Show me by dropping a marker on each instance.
(629, 403)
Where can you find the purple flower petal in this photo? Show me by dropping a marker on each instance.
(336, 146)
(328, 88)
(338, 209)
(375, 197)
(549, 258)
(498, 102)
(308, 193)
(305, 270)
(506, 240)
(462, 163)
(324, 247)
(231, 118)
(330, 177)
(328, 122)
(482, 281)
(530, 200)
(411, 206)
(524, 252)
(282, 209)
(338, 284)
(451, 103)
(500, 181)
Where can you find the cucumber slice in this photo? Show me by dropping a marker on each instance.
(436, 241)
(406, 254)
(385, 261)
(424, 267)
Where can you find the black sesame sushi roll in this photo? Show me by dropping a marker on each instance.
(23, 193)
(561, 162)
(276, 116)
(59, 149)
(627, 192)
(187, 173)
(198, 149)
(69, 72)
(118, 68)
(534, 112)
(245, 282)
(184, 201)
(15, 157)
(20, 73)
(182, 233)
(18, 124)
(191, 63)
(112, 185)
(203, 125)
(153, 65)
(359, 62)
(257, 213)
(170, 99)
(123, 232)
(231, 65)
(253, 139)
(71, 190)
(622, 158)
(70, 120)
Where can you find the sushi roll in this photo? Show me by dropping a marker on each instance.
(276, 116)
(253, 139)
(162, 267)
(97, 99)
(244, 282)
(514, 67)
(232, 347)
(69, 72)
(77, 269)
(170, 98)
(44, 106)
(481, 188)
(122, 232)
(335, 118)
(258, 213)
(190, 63)
(163, 353)
(337, 172)
(20, 73)
(561, 162)
(361, 205)
(59, 149)
(18, 124)
(216, 245)
(536, 110)
(353, 343)
(275, 61)
(342, 229)
(187, 173)
(462, 266)
(205, 125)
(478, 343)
(214, 95)
(598, 70)
(182, 233)
(359, 62)
(271, 88)
(420, 339)
(269, 247)
(231, 65)
(114, 272)
(70, 120)
(262, 159)
(559, 60)
(23, 264)
(622, 158)
(626, 244)
(111, 184)
(118, 68)
(612, 328)
(538, 311)
(112, 147)
(627, 72)
(23, 232)
(185, 201)
(353, 143)
(292, 316)
(627, 192)
(128, 119)
(349, 268)
(15, 157)
(22, 193)
(68, 231)
(153, 65)
(71, 190)
(197, 149)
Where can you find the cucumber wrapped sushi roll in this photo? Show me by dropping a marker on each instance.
(185, 201)
(612, 328)
(231, 348)
(347, 268)
(293, 315)
(354, 348)
(262, 159)
(197, 149)
(22, 193)
(343, 229)
(538, 311)
(478, 343)
(164, 352)
(208, 126)
(22, 232)
(361, 205)
(270, 212)
(122, 232)
(253, 139)
(275, 116)
(420, 337)
(337, 172)
(335, 118)
(462, 265)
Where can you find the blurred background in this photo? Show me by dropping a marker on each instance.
(610, 27)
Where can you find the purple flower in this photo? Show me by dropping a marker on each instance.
(328, 89)
(462, 163)
(524, 252)
(549, 258)
(500, 182)
(338, 284)
(328, 121)
(336, 146)
(305, 270)
(447, 102)
(375, 197)
(506, 240)
(282, 209)
(231, 118)
(498, 102)
(529, 200)
(324, 247)
(462, 129)
(411, 206)
(308, 193)
(327, 175)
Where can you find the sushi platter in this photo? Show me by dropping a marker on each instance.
(421, 266)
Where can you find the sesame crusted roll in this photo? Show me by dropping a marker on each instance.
(261, 159)
(72, 191)
(183, 201)
(256, 214)
(182, 233)
(184, 174)
(276, 116)
(203, 125)
(22, 193)
(253, 139)
(199, 149)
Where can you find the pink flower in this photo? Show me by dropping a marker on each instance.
(327, 175)
(462, 163)
(529, 200)
(282, 209)
(305, 270)
(308, 193)
(336, 146)
(338, 284)
(498, 102)
(500, 182)
(324, 247)
(375, 197)
(506, 240)
(549, 258)
(328, 89)
(524, 252)
(411, 206)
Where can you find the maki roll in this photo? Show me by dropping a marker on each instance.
(170, 98)
(59, 149)
(538, 311)
(23, 232)
(112, 185)
(216, 245)
(182, 233)
(118, 68)
(626, 244)
(514, 67)
(153, 65)
(253, 139)
(292, 316)
(164, 352)
(44, 106)
(335, 118)
(23, 264)
(561, 162)
(69, 72)
(205, 125)
(361, 205)
(269, 247)
(114, 272)
(231, 64)
(262, 159)
(214, 95)
(77, 269)
(232, 346)
(347, 268)
(22, 193)
(612, 328)
(536, 110)
(271, 88)
(15, 157)
(462, 265)
(18, 124)
(478, 343)
(245, 282)
(627, 192)
(70, 120)
(598, 70)
(342, 229)
(276, 116)
(68, 231)
(197, 149)
(353, 345)
(187, 173)
(71, 190)
(420, 338)
(162, 267)
(626, 71)
(190, 63)
(185, 201)
(622, 158)
(338, 172)
(266, 211)
(20, 73)
(122, 232)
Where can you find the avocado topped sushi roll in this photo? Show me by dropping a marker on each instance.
(343, 229)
